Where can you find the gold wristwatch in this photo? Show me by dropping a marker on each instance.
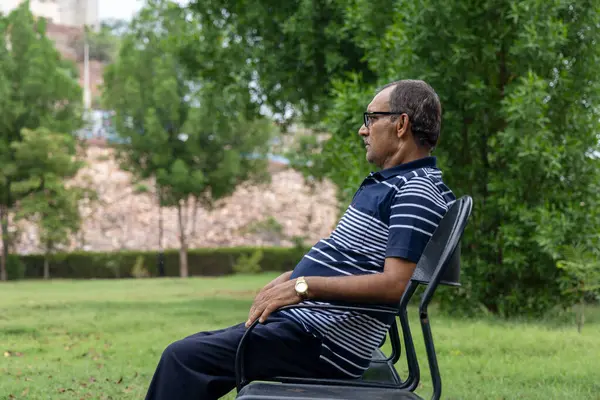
(301, 288)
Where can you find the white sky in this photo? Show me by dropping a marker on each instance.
(122, 9)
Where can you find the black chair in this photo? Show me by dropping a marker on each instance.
(440, 263)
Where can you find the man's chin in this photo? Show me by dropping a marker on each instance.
(369, 158)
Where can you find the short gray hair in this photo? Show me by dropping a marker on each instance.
(422, 105)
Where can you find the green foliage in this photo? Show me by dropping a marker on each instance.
(203, 262)
(141, 188)
(296, 48)
(138, 270)
(40, 107)
(341, 157)
(115, 263)
(269, 229)
(583, 267)
(269, 224)
(54, 208)
(249, 264)
(15, 268)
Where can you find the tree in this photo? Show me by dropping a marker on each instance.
(40, 102)
(520, 94)
(296, 48)
(55, 207)
(198, 134)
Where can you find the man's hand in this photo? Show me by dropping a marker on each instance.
(270, 299)
(280, 279)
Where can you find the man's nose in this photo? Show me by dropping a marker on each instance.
(363, 131)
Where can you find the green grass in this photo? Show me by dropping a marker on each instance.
(102, 339)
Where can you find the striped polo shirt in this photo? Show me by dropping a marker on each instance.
(393, 214)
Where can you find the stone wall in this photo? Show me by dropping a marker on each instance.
(122, 218)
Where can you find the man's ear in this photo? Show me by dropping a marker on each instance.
(402, 126)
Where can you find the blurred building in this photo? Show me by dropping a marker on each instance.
(72, 13)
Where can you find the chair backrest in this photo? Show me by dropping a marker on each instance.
(441, 251)
(440, 262)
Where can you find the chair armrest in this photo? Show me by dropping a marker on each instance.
(379, 309)
(240, 378)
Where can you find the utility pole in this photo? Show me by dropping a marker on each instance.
(87, 95)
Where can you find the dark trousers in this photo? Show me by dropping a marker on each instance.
(202, 366)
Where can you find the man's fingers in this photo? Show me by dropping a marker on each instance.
(256, 312)
(262, 313)
(268, 310)
(255, 305)
(252, 310)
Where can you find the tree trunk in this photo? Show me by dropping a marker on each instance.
(4, 258)
(47, 260)
(194, 216)
(47, 266)
(581, 316)
(160, 228)
(183, 259)
(161, 252)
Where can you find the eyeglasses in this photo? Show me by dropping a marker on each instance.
(367, 116)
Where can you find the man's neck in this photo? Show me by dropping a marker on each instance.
(414, 155)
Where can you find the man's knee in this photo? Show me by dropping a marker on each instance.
(180, 351)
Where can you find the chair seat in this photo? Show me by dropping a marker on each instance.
(273, 391)
(380, 370)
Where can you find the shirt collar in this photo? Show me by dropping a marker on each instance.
(425, 162)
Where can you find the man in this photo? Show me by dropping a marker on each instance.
(368, 259)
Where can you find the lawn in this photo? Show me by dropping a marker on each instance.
(102, 339)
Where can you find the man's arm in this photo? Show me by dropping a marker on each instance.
(386, 287)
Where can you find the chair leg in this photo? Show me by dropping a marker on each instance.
(414, 375)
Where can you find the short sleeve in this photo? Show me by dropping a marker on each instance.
(415, 212)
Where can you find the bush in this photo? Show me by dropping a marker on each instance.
(138, 270)
(249, 264)
(15, 268)
(201, 262)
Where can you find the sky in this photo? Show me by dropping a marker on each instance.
(122, 9)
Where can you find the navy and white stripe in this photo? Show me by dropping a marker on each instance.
(393, 214)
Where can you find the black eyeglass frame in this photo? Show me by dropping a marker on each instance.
(368, 114)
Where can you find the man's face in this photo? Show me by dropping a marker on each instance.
(380, 138)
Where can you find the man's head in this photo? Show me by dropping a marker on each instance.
(402, 123)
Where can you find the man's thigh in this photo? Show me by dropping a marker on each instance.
(278, 347)
(281, 347)
(211, 353)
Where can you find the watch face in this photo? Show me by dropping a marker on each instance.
(301, 287)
